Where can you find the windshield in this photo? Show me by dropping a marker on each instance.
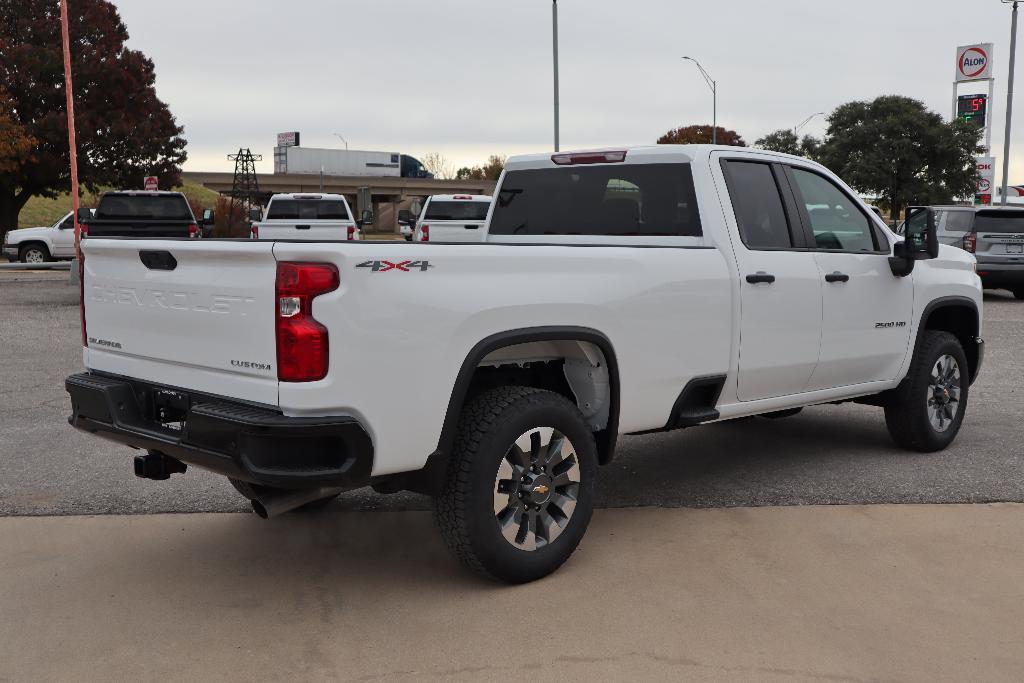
(171, 207)
(999, 221)
(308, 209)
(635, 199)
(456, 211)
(957, 222)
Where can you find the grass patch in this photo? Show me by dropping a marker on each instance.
(44, 211)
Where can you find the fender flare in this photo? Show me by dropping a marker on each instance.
(605, 439)
(951, 302)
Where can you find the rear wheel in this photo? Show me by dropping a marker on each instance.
(519, 489)
(34, 253)
(926, 411)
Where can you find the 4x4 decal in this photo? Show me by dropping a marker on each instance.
(385, 266)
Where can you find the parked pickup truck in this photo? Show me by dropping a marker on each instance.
(143, 213)
(618, 292)
(312, 217)
(452, 218)
(38, 245)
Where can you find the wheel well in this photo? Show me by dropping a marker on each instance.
(30, 243)
(960, 320)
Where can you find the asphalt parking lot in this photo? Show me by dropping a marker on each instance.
(826, 455)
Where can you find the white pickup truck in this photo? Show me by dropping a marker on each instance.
(452, 218)
(619, 292)
(37, 245)
(304, 216)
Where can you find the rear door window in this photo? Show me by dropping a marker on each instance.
(614, 200)
(757, 203)
(955, 223)
(456, 211)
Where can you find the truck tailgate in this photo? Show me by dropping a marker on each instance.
(196, 314)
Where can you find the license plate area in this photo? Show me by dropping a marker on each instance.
(169, 409)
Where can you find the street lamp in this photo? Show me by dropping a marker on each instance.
(1009, 97)
(338, 135)
(714, 99)
(554, 42)
(796, 128)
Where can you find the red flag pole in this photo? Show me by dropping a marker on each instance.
(71, 129)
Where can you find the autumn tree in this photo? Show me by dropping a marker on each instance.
(895, 148)
(489, 171)
(701, 135)
(15, 143)
(124, 131)
(439, 165)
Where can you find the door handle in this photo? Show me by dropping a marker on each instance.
(302, 227)
(760, 276)
(471, 227)
(837, 277)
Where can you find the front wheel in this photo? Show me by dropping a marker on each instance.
(34, 253)
(926, 411)
(519, 489)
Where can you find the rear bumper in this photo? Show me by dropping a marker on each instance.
(999, 273)
(240, 441)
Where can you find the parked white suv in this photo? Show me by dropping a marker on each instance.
(38, 245)
(452, 218)
(618, 292)
(306, 216)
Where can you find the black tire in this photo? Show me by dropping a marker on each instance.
(251, 491)
(779, 414)
(465, 508)
(34, 252)
(907, 413)
(1018, 292)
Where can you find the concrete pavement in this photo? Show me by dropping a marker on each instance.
(841, 593)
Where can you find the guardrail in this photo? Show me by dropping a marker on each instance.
(51, 265)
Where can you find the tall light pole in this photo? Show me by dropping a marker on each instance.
(796, 128)
(554, 41)
(338, 135)
(714, 100)
(1009, 99)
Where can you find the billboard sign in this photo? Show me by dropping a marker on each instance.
(974, 62)
(288, 139)
(150, 183)
(986, 180)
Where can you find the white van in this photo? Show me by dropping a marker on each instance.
(453, 218)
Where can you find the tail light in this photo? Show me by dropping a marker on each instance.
(302, 344)
(254, 231)
(970, 242)
(425, 232)
(351, 232)
(193, 231)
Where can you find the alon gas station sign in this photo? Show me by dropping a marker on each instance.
(974, 62)
(986, 180)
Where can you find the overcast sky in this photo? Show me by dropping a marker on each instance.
(469, 78)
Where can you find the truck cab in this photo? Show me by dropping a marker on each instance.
(452, 218)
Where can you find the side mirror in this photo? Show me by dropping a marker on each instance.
(920, 233)
(366, 218)
(920, 241)
(255, 214)
(208, 216)
(84, 215)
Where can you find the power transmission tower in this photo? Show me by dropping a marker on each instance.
(245, 187)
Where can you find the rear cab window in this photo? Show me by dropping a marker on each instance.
(758, 205)
(308, 209)
(620, 200)
(453, 210)
(169, 207)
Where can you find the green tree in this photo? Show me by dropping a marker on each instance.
(786, 141)
(124, 131)
(701, 135)
(893, 147)
(489, 171)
